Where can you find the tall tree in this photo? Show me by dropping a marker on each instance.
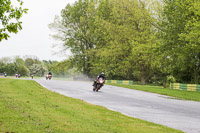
(128, 37)
(21, 68)
(180, 38)
(117, 37)
(76, 33)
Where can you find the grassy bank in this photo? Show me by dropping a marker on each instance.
(25, 106)
(184, 95)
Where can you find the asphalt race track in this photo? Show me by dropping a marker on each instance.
(178, 114)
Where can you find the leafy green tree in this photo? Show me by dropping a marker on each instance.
(76, 32)
(180, 38)
(129, 40)
(19, 61)
(11, 69)
(21, 68)
(61, 69)
(46, 64)
(2, 67)
(117, 37)
(29, 62)
(37, 70)
(191, 38)
(7, 65)
(35, 66)
(10, 18)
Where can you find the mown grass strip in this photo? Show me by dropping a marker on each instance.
(26, 107)
(179, 94)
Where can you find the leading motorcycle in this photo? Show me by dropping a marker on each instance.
(98, 84)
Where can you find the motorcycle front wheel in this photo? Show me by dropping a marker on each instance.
(98, 87)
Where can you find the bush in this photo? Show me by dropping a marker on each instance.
(171, 79)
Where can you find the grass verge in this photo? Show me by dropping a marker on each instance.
(178, 94)
(25, 107)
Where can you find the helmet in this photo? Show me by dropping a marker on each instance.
(102, 73)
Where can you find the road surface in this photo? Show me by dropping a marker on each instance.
(179, 114)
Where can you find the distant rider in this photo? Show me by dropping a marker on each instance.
(49, 73)
(5, 75)
(32, 76)
(102, 75)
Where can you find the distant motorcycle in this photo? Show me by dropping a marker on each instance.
(48, 76)
(99, 83)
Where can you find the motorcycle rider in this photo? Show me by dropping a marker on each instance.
(49, 76)
(49, 73)
(5, 75)
(31, 76)
(102, 75)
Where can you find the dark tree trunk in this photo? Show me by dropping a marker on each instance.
(143, 80)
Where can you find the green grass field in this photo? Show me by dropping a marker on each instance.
(26, 107)
(178, 94)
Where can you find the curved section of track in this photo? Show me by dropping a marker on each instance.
(178, 114)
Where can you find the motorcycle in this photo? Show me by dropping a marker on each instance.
(48, 76)
(99, 83)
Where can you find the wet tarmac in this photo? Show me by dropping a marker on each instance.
(179, 114)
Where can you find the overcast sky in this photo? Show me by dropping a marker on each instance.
(34, 38)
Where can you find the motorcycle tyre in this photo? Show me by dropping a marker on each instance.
(98, 87)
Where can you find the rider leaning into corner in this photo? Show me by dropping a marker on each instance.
(49, 75)
(102, 75)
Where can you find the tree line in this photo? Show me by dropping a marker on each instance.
(147, 41)
(31, 65)
(133, 39)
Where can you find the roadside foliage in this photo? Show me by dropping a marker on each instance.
(10, 18)
(117, 37)
(145, 41)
